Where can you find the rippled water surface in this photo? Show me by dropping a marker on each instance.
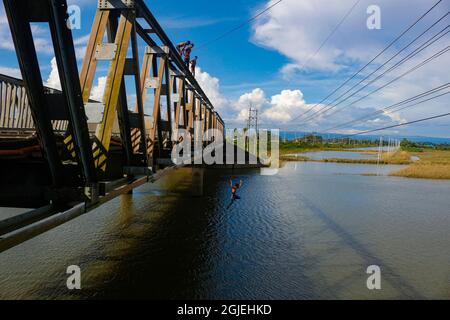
(309, 232)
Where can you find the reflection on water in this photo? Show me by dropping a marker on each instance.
(308, 232)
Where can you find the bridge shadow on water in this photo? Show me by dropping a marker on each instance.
(388, 274)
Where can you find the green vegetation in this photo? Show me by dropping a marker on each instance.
(314, 142)
(434, 160)
(410, 146)
(434, 163)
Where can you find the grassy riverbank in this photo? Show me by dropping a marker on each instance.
(294, 147)
(399, 158)
(433, 164)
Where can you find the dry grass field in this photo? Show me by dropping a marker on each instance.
(432, 165)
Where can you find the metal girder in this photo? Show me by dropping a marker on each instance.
(145, 13)
(106, 52)
(146, 82)
(115, 95)
(113, 87)
(147, 64)
(115, 4)
(159, 51)
(163, 65)
(122, 105)
(71, 89)
(178, 107)
(175, 58)
(29, 66)
(89, 65)
(156, 109)
(90, 62)
(170, 87)
(139, 99)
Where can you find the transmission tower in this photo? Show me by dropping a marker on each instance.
(252, 122)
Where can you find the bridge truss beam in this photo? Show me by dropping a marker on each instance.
(81, 154)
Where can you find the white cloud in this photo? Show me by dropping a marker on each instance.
(5, 33)
(297, 28)
(281, 107)
(286, 105)
(81, 40)
(255, 99)
(211, 87)
(98, 91)
(53, 80)
(81, 46)
(292, 29)
(41, 36)
(183, 22)
(80, 52)
(12, 72)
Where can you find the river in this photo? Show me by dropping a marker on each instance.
(309, 232)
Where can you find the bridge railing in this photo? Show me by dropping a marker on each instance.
(15, 111)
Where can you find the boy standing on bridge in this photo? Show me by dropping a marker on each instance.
(193, 65)
(181, 46)
(187, 54)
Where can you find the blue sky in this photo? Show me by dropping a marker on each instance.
(231, 58)
(270, 63)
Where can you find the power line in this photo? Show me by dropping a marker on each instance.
(417, 103)
(395, 66)
(370, 62)
(395, 107)
(225, 34)
(322, 111)
(344, 18)
(332, 33)
(422, 47)
(434, 56)
(399, 125)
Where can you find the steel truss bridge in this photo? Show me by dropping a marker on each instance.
(64, 154)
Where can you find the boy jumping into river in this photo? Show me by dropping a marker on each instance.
(234, 189)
